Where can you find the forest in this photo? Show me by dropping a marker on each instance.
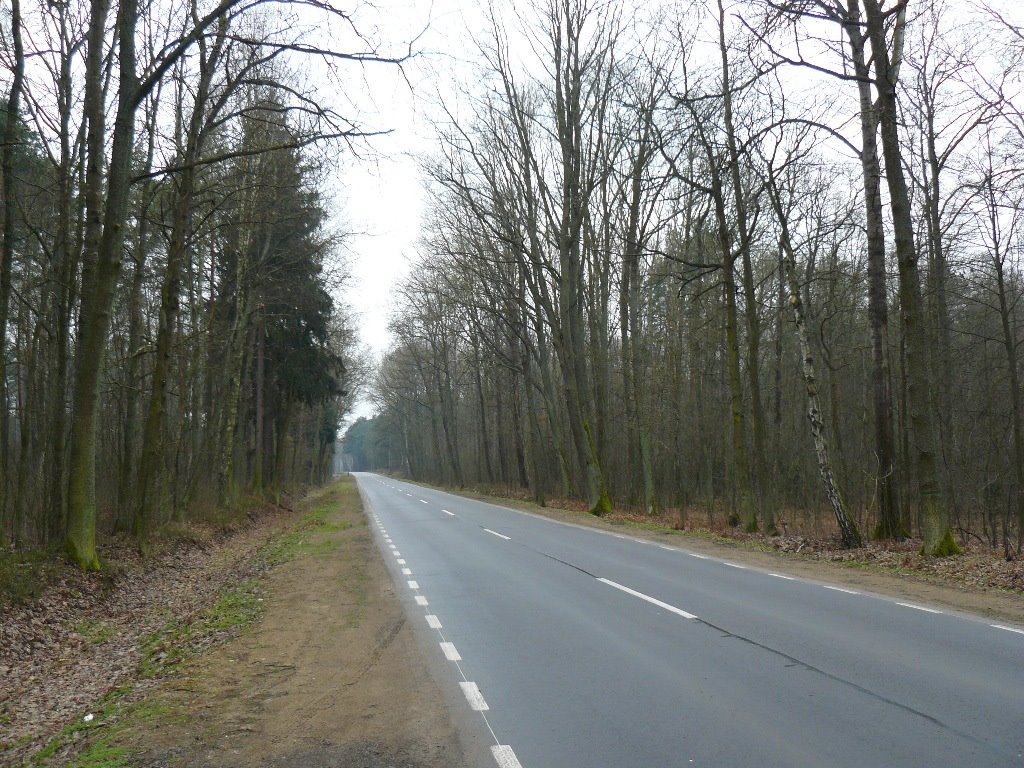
(168, 270)
(753, 261)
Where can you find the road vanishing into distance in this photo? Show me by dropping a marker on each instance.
(561, 646)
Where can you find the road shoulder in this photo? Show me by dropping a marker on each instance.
(330, 676)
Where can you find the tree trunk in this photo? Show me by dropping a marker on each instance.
(757, 465)
(938, 539)
(12, 127)
(105, 239)
(890, 519)
(485, 436)
(848, 532)
(260, 412)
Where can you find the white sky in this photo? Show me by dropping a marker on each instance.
(381, 197)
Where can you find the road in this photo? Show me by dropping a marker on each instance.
(569, 646)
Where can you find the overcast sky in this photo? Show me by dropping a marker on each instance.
(380, 195)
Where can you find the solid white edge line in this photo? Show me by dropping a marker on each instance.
(499, 535)
(432, 621)
(449, 651)
(505, 757)
(840, 589)
(421, 600)
(649, 599)
(413, 584)
(472, 693)
(919, 608)
(1008, 629)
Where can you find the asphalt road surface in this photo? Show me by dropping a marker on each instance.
(563, 646)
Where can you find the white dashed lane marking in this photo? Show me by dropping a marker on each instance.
(840, 589)
(452, 514)
(450, 652)
(782, 576)
(649, 599)
(413, 584)
(473, 696)
(432, 621)
(1008, 629)
(406, 572)
(421, 600)
(499, 535)
(505, 757)
(918, 607)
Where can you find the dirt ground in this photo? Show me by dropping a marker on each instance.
(331, 676)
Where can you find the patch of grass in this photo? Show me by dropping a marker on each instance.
(104, 733)
(162, 648)
(235, 608)
(107, 707)
(24, 575)
(337, 527)
(93, 631)
(304, 537)
(102, 754)
(320, 548)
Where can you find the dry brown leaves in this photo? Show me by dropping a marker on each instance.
(60, 654)
(979, 567)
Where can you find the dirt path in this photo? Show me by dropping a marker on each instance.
(331, 676)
